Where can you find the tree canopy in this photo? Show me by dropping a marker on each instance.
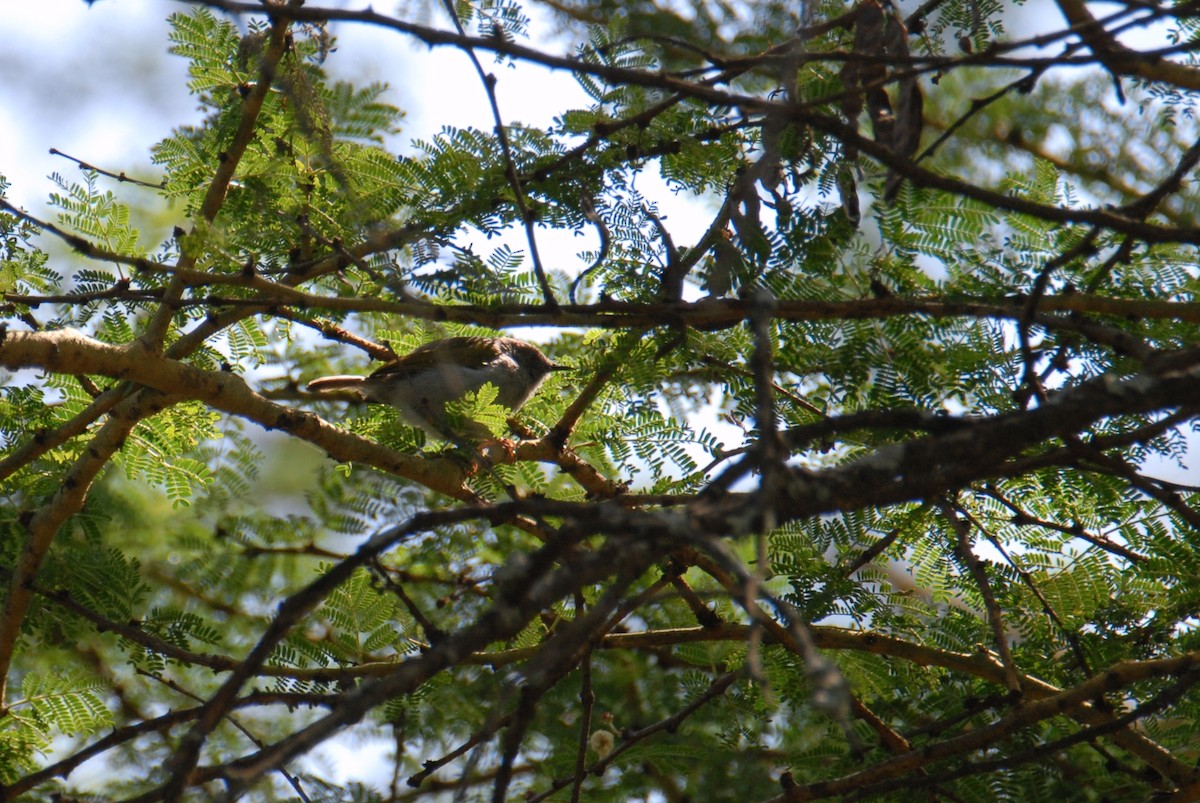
(877, 488)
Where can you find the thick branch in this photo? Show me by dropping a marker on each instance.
(71, 352)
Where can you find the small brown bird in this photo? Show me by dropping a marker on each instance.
(420, 384)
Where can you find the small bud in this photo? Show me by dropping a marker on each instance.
(602, 743)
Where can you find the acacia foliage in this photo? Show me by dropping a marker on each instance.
(946, 297)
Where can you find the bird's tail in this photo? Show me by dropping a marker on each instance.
(334, 383)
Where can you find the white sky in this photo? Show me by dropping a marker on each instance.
(84, 103)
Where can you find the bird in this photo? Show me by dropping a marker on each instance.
(420, 384)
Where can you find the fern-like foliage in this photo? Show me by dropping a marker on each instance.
(858, 485)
